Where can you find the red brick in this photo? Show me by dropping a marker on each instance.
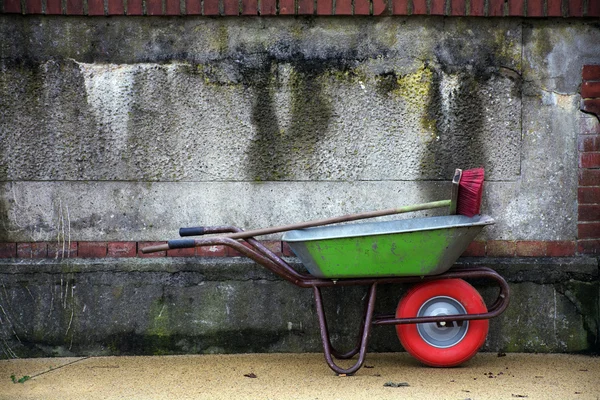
(531, 248)
(400, 7)
(12, 6)
(153, 7)
(589, 143)
(593, 8)
(193, 7)
(62, 250)
(211, 7)
(380, 7)
(306, 7)
(211, 251)
(588, 195)
(142, 245)
(516, 8)
(588, 230)
(189, 252)
(589, 212)
(33, 6)
(589, 177)
(554, 8)
(74, 7)
(122, 249)
(535, 8)
(95, 7)
(134, 7)
(362, 7)
(438, 7)
(116, 7)
(8, 250)
(591, 106)
(249, 7)
(268, 7)
(343, 7)
(475, 249)
(590, 89)
(458, 7)
(324, 7)
(496, 8)
(560, 249)
(420, 7)
(91, 249)
(590, 72)
(477, 8)
(287, 250)
(286, 7)
(32, 250)
(576, 8)
(53, 7)
(172, 7)
(231, 7)
(589, 160)
(501, 248)
(588, 247)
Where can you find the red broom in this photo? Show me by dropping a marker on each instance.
(470, 191)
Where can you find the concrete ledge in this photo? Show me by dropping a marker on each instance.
(231, 305)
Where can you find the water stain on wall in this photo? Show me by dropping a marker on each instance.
(283, 152)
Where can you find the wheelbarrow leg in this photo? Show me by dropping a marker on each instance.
(364, 334)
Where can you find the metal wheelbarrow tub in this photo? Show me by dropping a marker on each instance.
(409, 247)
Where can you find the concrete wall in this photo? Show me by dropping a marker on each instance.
(125, 129)
(180, 306)
(132, 128)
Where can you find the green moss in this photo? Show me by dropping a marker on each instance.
(159, 324)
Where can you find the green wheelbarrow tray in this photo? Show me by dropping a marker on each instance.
(408, 247)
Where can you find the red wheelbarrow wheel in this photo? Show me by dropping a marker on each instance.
(442, 345)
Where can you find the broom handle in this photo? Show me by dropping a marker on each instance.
(310, 224)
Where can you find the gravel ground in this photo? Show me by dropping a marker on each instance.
(300, 376)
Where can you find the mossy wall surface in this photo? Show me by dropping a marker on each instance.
(186, 306)
(127, 128)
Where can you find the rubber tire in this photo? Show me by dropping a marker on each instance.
(430, 355)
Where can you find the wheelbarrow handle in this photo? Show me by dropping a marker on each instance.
(171, 244)
(194, 231)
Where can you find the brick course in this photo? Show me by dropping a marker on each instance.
(588, 194)
(493, 248)
(473, 8)
(92, 249)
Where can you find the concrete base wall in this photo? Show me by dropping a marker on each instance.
(227, 305)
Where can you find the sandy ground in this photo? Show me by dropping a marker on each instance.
(300, 376)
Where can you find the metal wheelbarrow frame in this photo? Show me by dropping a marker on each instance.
(256, 251)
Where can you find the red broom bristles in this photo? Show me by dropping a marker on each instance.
(470, 191)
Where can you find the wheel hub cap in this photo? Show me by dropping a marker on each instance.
(442, 335)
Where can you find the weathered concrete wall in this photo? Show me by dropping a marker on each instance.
(175, 306)
(129, 128)
(125, 129)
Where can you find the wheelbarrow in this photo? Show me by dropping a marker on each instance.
(442, 320)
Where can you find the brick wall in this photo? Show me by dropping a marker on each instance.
(478, 8)
(589, 163)
(492, 248)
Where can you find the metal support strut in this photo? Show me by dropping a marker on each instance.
(361, 347)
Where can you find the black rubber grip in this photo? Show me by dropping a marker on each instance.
(181, 243)
(196, 231)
